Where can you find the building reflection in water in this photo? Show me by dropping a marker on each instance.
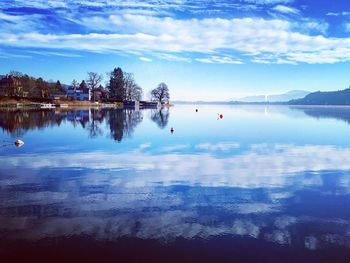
(122, 123)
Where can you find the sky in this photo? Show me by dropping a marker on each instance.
(202, 49)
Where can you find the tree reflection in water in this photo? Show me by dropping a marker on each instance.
(17, 122)
(122, 123)
(161, 117)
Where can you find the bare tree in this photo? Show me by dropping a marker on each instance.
(16, 74)
(75, 84)
(161, 117)
(161, 93)
(132, 90)
(93, 81)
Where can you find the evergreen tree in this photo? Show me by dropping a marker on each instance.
(58, 88)
(83, 84)
(116, 85)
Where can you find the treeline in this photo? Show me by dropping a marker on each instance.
(121, 123)
(121, 86)
(23, 85)
(340, 97)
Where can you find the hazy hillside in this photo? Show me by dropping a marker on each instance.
(341, 97)
(290, 95)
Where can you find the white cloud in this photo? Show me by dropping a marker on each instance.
(332, 14)
(270, 2)
(273, 167)
(52, 53)
(145, 145)
(344, 13)
(221, 60)
(175, 148)
(314, 26)
(257, 208)
(218, 146)
(172, 57)
(145, 59)
(165, 37)
(286, 9)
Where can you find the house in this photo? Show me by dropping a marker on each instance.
(58, 96)
(79, 93)
(82, 116)
(99, 94)
(9, 86)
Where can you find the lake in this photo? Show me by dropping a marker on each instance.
(261, 184)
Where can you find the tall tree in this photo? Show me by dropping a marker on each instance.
(83, 84)
(75, 84)
(42, 88)
(93, 80)
(58, 88)
(116, 85)
(13, 86)
(132, 90)
(161, 93)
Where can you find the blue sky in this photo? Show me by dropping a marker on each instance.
(203, 49)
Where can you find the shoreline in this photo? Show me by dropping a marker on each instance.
(62, 104)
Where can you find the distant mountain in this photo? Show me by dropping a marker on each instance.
(290, 95)
(198, 102)
(260, 99)
(341, 97)
(65, 86)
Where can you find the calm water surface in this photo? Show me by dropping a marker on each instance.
(262, 184)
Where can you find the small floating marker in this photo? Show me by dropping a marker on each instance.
(130, 112)
(221, 116)
(19, 143)
(196, 110)
(172, 130)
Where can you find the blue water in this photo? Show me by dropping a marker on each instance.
(261, 184)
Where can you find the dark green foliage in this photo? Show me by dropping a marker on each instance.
(33, 88)
(122, 123)
(42, 89)
(83, 84)
(116, 87)
(58, 89)
(121, 87)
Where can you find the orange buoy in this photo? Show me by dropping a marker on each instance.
(172, 130)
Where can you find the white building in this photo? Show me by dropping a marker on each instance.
(79, 93)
